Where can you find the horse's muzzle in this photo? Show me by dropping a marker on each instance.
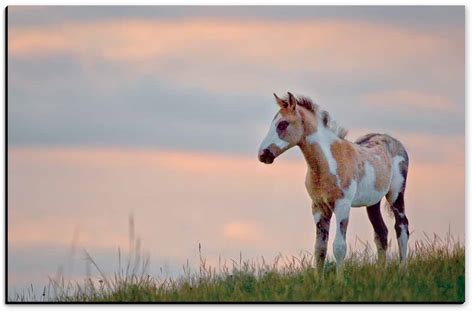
(266, 157)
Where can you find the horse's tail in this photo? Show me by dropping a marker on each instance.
(400, 161)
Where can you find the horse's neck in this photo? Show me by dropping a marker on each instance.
(316, 148)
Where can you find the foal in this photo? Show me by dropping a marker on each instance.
(341, 174)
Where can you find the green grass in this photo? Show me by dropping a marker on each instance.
(434, 273)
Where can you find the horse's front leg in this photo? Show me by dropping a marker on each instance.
(322, 220)
(341, 210)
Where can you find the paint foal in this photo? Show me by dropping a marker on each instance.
(341, 174)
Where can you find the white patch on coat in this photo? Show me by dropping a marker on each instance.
(397, 179)
(272, 136)
(341, 210)
(350, 192)
(325, 138)
(317, 217)
(366, 193)
(403, 242)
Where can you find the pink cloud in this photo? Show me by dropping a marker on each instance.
(179, 199)
(409, 99)
(32, 232)
(241, 231)
(108, 179)
(200, 52)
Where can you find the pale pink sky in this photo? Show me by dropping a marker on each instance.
(81, 197)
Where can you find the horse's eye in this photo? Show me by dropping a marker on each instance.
(282, 125)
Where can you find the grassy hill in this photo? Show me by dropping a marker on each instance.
(433, 273)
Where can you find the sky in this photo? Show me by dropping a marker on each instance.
(158, 112)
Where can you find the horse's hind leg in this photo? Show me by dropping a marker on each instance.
(401, 225)
(380, 230)
(396, 199)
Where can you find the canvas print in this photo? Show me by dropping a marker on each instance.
(235, 154)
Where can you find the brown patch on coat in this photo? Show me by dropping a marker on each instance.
(345, 156)
(320, 183)
(375, 150)
(322, 236)
(310, 124)
(322, 226)
(382, 164)
(393, 146)
(322, 205)
(293, 133)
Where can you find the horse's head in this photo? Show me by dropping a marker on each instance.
(286, 130)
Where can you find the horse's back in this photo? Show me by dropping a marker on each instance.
(393, 145)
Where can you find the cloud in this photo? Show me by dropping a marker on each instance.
(180, 199)
(410, 100)
(414, 16)
(241, 231)
(172, 82)
(218, 55)
(435, 149)
(27, 232)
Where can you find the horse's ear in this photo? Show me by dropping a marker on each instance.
(282, 103)
(291, 101)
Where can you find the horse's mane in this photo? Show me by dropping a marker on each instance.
(329, 123)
